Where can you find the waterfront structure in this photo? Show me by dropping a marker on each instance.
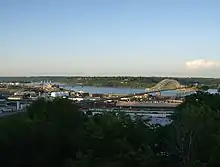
(171, 84)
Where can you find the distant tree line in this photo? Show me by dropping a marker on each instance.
(119, 81)
(55, 133)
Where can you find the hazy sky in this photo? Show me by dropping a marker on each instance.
(110, 37)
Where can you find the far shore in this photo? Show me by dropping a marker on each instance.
(107, 86)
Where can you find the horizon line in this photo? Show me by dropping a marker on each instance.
(135, 76)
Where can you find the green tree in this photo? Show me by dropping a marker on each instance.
(47, 135)
(195, 129)
(113, 139)
(55, 133)
(204, 87)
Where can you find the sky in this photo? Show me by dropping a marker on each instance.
(110, 37)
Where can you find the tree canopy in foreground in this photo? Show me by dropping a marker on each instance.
(57, 134)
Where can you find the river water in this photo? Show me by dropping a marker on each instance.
(119, 90)
(115, 90)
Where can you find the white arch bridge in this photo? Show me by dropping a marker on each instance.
(164, 85)
(171, 84)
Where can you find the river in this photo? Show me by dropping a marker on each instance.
(119, 90)
(114, 90)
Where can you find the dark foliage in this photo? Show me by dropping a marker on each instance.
(57, 134)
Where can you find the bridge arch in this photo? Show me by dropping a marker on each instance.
(165, 84)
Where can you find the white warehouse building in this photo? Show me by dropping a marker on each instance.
(59, 94)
